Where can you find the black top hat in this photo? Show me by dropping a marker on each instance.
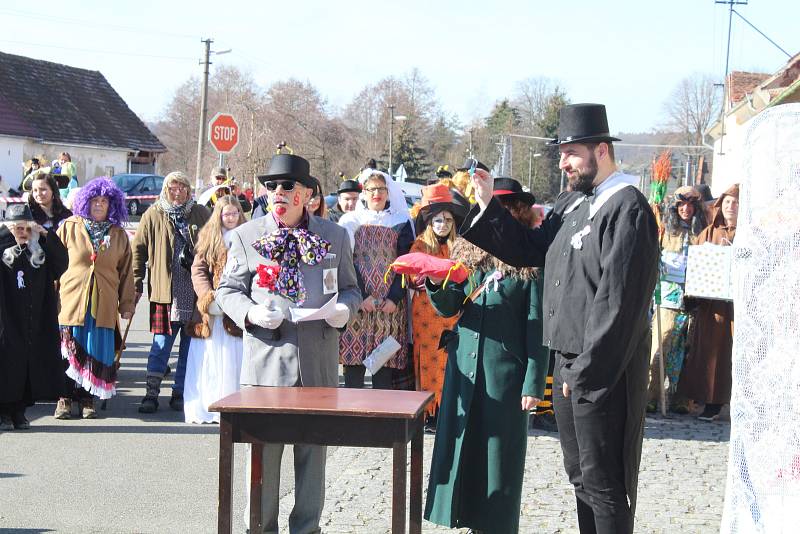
(582, 123)
(18, 213)
(510, 189)
(349, 186)
(288, 167)
(468, 165)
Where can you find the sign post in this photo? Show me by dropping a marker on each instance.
(223, 134)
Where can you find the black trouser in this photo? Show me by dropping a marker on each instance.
(592, 438)
(354, 377)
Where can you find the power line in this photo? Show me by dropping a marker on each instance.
(96, 51)
(761, 33)
(106, 27)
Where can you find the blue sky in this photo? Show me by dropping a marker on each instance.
(624, 53)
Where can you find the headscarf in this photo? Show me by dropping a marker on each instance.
(719, 219)
(396, 212)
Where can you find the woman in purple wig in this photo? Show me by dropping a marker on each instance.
(95, 289)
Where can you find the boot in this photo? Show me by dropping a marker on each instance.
(176, 402)
(150, 400)
(19, 420)
(63, 408)
(87, 408)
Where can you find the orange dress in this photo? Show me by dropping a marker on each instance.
(427, 327)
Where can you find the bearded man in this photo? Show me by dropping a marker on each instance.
(599, 248)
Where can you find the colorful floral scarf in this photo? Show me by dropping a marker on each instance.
(98, 235)
(288, 247)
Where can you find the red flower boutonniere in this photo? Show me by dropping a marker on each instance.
(267, 276)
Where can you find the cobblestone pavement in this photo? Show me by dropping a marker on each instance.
(129, 473)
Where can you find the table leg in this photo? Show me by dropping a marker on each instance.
(224, 511)
(399, 489)
(256, 474)
(415, 506)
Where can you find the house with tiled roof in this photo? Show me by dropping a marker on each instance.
(47, 108)
(746, 95)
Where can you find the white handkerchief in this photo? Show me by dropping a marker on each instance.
(577, 239)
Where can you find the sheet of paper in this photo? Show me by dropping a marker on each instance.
(300, 315)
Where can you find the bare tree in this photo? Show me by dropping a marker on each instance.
(692, 106)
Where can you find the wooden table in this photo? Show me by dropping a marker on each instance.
(323, 416)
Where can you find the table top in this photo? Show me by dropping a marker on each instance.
(325, 401)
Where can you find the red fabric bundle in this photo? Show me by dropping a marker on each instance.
(420, 264)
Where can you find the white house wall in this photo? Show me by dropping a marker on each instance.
(11, 149)
(90, 162)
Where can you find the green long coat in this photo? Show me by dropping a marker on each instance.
(479, 453)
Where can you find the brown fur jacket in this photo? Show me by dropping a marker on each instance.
(476, 259)
(205, 279)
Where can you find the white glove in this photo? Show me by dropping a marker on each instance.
(214, 309)
(264, 317)
(339, 317)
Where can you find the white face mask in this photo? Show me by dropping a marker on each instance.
(442, 224)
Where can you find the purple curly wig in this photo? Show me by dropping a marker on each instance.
(105, 187)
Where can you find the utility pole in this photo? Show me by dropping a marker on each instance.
(201, 138)
(391, 135)
(470, 141)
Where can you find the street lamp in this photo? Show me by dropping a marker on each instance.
(392, 118)
(531, 155)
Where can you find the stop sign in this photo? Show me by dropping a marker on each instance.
(223, 132)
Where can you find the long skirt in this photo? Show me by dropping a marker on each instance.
(213, 368)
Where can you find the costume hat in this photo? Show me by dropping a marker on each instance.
(468, 165)
(349, 186)
(510, 189)
(288, 167)
(435, 199)
(18, 213)
(582, 123)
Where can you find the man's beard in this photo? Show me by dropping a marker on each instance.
(584, 180)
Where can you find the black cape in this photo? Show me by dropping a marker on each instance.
(30, 352)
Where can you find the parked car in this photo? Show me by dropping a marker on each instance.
(138, 185)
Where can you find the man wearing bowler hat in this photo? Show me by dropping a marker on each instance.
(346, 199)
(312, 262)
(599, 248)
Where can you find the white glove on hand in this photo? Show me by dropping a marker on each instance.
(339, 317)
(214, 309)
(262, 316)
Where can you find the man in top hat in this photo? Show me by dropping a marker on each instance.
(278, 352)
(599, 248)
(32, 259)
(346, 199)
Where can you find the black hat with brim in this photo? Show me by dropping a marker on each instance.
(426, 213)
(349, 186)
(18, 213)
(468, 165)
(582, 123)
(510, 189)
(289, 167)
(62, 180)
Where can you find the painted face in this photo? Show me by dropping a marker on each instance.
(376, 193)
(730, 209)
(685, 210)
(177, 193)
(98, 208)
(348, 201)
(288, 205)
(230, 217)
(442, 223)
(42, 193)
(580, 164)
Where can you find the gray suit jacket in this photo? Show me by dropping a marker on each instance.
(307, 353)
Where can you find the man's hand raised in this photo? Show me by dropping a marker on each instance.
(483, 183)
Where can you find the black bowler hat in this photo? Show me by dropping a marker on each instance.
(18, 213)
(510, 189)
(582, 123)
(469, 162)
(349, 186)
(289, 167)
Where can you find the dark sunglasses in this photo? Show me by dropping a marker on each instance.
(287, 185)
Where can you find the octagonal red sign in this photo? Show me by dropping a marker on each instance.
(223, 132)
